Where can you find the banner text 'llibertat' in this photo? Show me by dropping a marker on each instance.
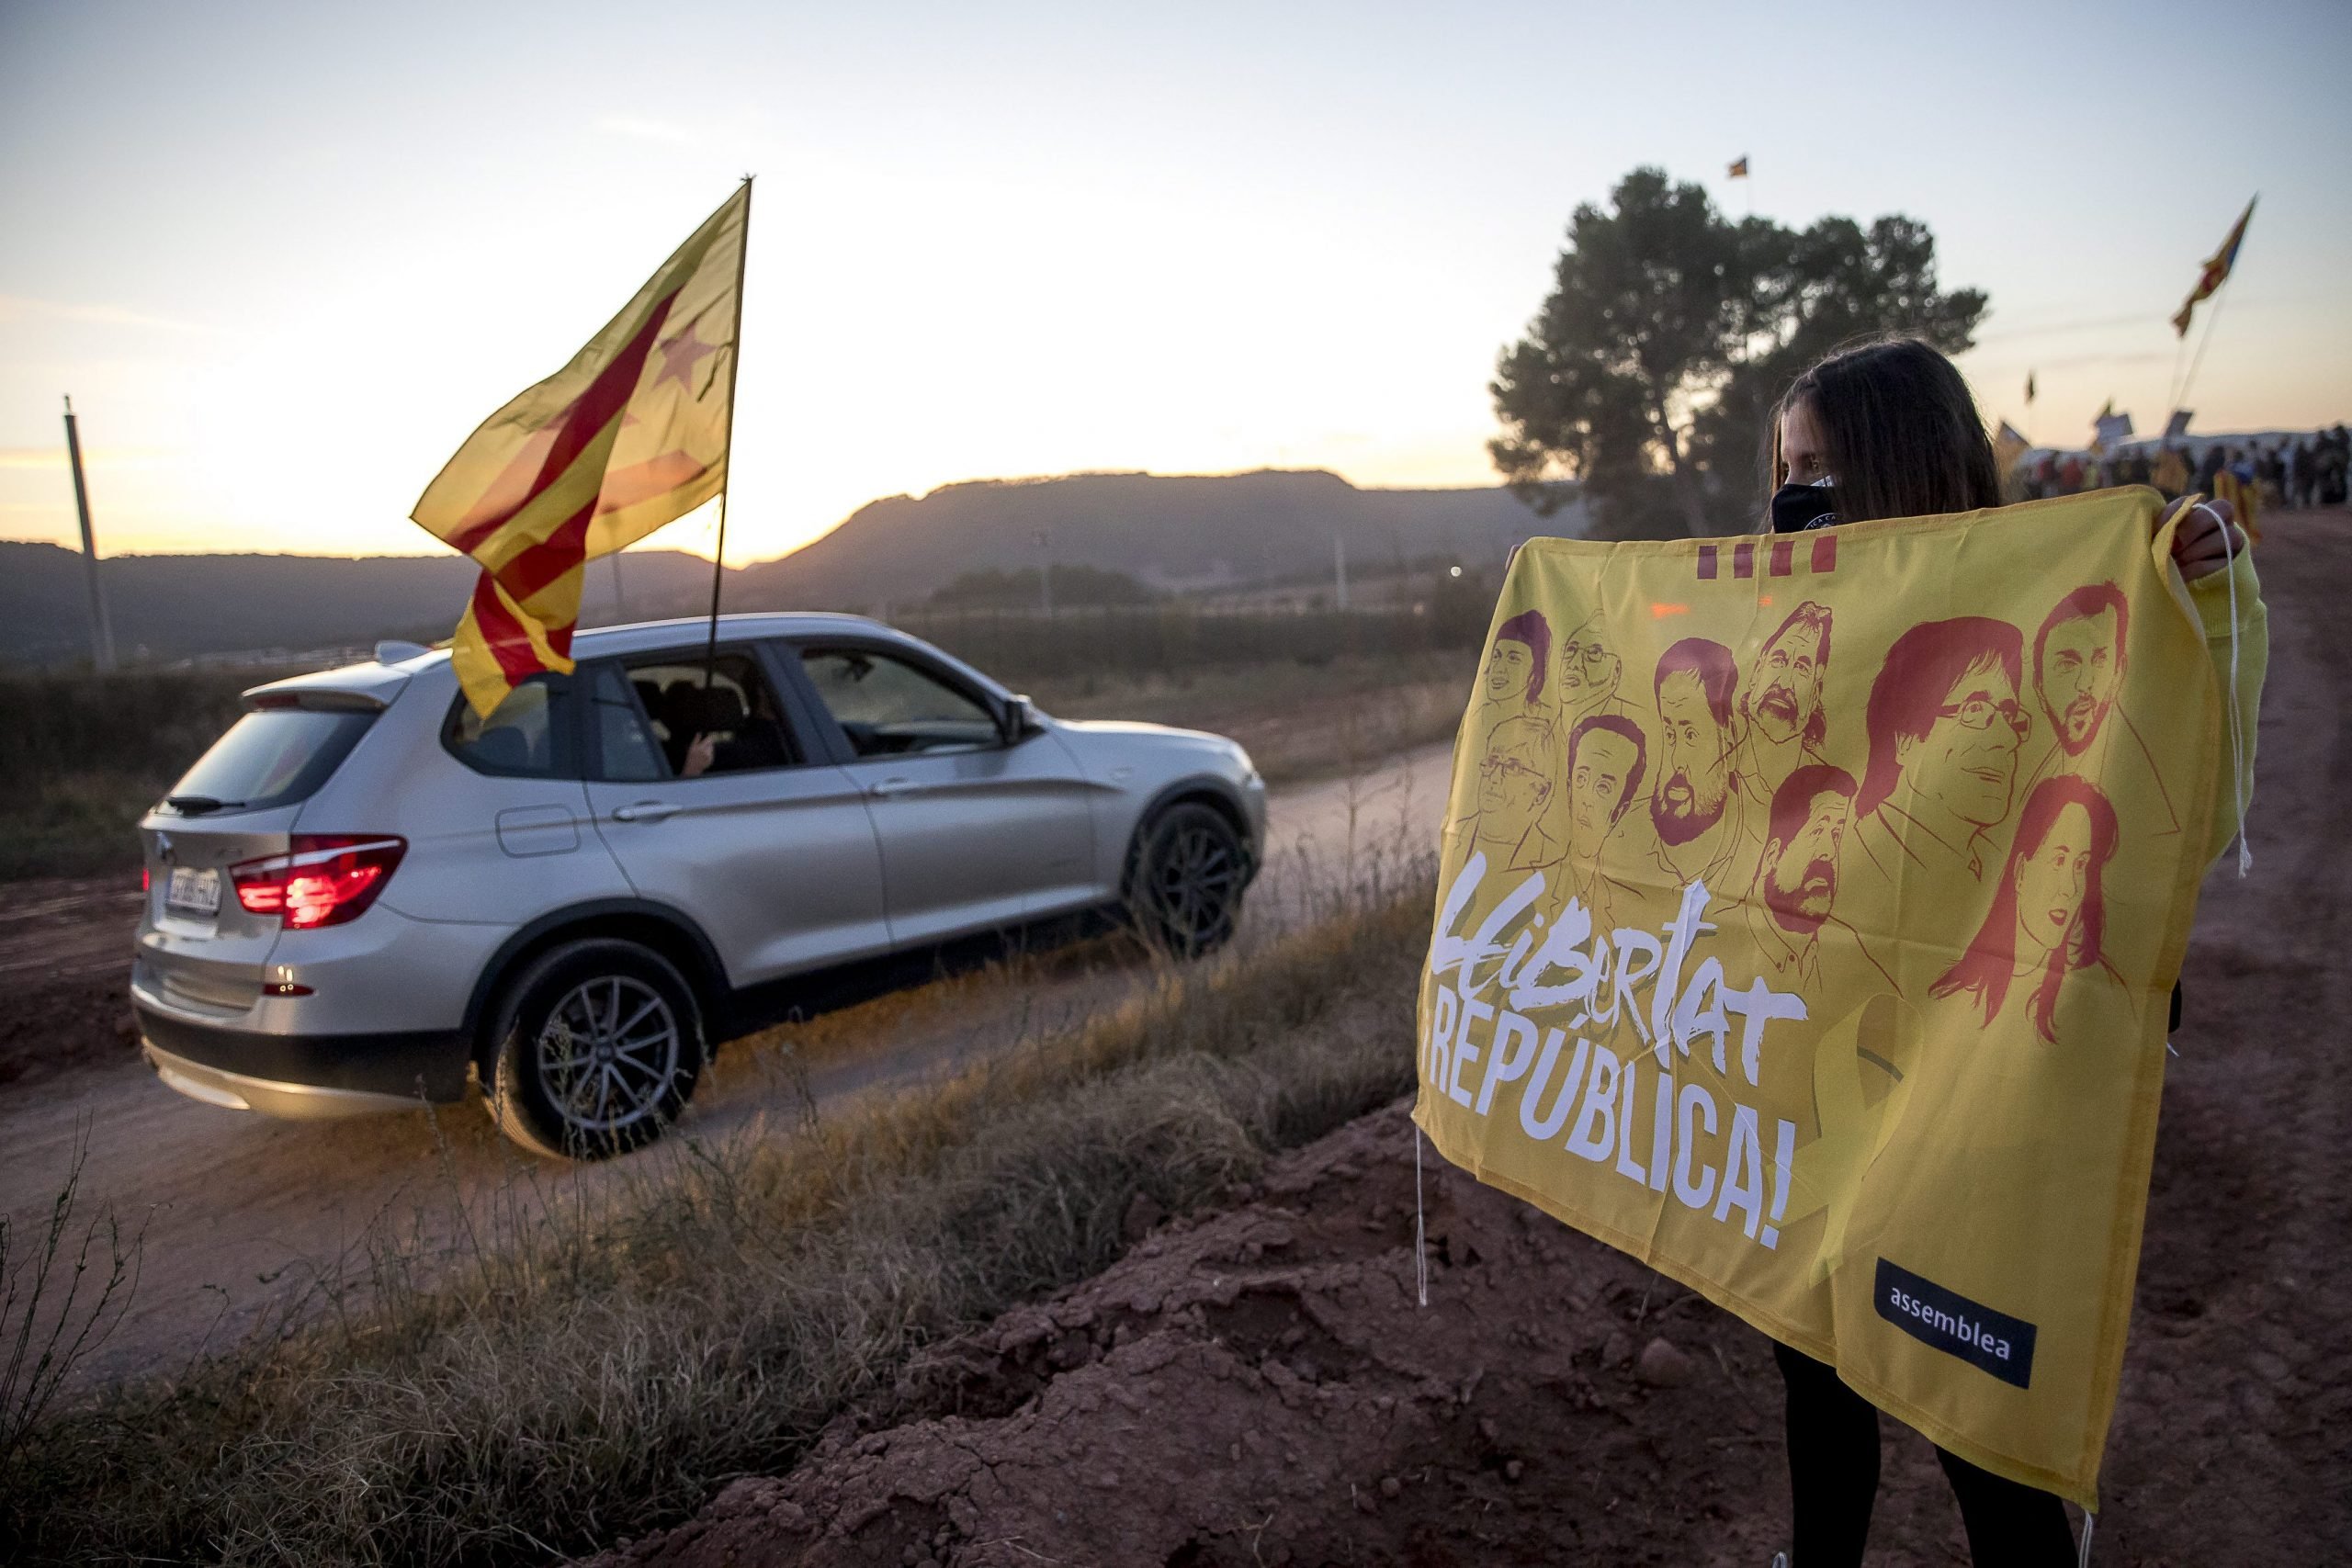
(1476, 1045)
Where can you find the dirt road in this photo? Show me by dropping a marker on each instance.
(242, 1213)
(65, 968)
(1258, 1386)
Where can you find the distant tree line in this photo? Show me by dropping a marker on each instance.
(1171, 636)
(1073, 586)
(1652, 369)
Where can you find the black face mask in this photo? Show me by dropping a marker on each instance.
(1796, 508)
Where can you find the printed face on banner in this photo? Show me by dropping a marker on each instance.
(2050, 884)
(1605, 767)
(1516, 780)
(1785, 684)
(2048, 917)
(2078, 663)
(1589, 673)
(1694, 770)
(1799, 875)
(1508, 669)
(1966, 763)
(1824, 965)
(1518, 667)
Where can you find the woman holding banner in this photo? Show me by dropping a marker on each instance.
(1889, 429)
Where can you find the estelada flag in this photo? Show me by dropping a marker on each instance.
(1739, 167)
(2217, 272)
(631, 434)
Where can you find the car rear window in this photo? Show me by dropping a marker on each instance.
(529, 735)
(274, 757)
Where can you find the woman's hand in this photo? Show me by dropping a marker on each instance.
(699, 754)
(2198, 548)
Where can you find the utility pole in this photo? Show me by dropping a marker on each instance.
(1045, 570)
(101, 630)
(1340, 568)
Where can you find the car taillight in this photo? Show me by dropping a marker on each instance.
(323, 880)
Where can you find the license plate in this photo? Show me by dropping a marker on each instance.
(193, 892)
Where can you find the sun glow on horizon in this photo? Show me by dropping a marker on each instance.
(1249, 259)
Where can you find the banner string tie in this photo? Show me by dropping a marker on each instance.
(2237, 736)
(1421, 1246)
(2083, 1556)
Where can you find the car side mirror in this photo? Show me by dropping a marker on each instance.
(1019, 720)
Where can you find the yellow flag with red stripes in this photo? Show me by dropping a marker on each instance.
(631, 434)
(2214, 273)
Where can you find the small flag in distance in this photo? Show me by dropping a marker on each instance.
(2029, 386)
(1739, 167)
(2215, 273)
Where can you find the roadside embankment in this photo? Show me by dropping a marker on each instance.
(591, 1360)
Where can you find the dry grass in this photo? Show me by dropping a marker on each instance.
(85, 755)
(79, 824)
(586, 1368)
(61, 1294)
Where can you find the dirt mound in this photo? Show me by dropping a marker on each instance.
(1261, 1386)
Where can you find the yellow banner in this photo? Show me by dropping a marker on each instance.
(1809, 911)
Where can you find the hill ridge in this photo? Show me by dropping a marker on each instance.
(1173, 531)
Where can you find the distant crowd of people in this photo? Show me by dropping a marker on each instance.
(2309, 471)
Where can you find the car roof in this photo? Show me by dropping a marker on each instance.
(381, 680)
(602, 642)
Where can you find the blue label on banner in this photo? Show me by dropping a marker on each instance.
(1993, 1341)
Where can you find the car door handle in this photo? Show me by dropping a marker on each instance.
(886, 787)
(644, 811)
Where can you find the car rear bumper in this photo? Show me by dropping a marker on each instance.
(302, 1076)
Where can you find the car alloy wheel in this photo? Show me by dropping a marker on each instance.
(597, 1045)
(609, 1053)
(1190, 879)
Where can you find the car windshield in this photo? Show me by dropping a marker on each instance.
(889, 708)
(275, 757)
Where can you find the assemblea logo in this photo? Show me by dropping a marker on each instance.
(1950, 1322)
(1975, 1334)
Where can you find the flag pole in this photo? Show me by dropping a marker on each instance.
(2204, 341)
(734, 364)
(2228, 256)
(2179, 352)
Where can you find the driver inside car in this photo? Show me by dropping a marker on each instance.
(753, 741)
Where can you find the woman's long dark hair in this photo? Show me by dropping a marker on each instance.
(1901, 433)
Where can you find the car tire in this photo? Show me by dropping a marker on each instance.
(598, 1046)
(1184, 890)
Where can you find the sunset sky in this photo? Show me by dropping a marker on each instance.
(286, 256)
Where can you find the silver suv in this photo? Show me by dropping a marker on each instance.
(364, 894)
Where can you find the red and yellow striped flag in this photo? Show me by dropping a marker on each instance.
(2213, 273)
(631, 434)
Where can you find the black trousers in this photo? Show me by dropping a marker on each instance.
(1833, 1482)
